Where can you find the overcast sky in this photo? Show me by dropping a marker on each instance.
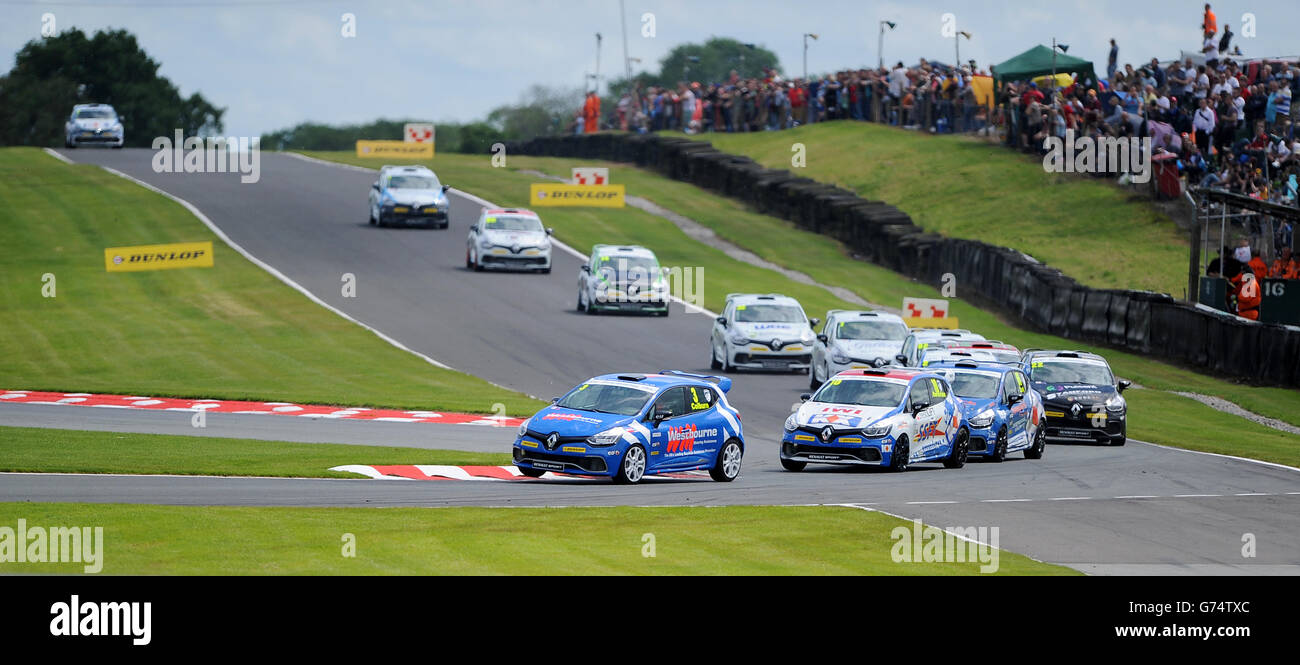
(275, 63)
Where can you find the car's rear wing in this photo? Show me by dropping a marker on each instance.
(723, 383)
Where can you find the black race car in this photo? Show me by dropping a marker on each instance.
(1082, 399)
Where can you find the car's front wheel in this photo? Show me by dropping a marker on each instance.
(1123, 438)
(727, 467)
(960, 448)
(898, 459)
(713, 357)
(793, 465)
(632, 469)
(999, 451)
(1040, 444)
(813, 383)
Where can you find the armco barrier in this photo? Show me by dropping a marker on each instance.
(1036, 294)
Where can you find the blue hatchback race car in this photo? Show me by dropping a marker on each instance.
(1004, 413)
(886, 417)
(627, 426)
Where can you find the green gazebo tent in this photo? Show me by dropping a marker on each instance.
(1037, 61)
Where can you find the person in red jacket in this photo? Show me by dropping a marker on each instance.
(1285, 266)
(1248, 297)
(1258, 267)
(591, 113)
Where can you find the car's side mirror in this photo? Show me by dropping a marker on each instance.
(722, 320)
(1013, 400)
(901, 359)
(445, 188)
(812, 323)
(805, 397)
(823, 339)
(918, 408)
(375, 186)
(550, 231)
(585, 268)
(554, 400)
(1122, 385)
(661, 415)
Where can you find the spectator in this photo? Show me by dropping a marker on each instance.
(1248, 296)
(1209, 24)
(1203, 122)
(591, 113)
(1112, 61)
(1285, 266)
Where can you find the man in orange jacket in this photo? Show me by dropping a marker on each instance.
(1285, 267)
(1209, 23)
(1248, 296)
(591, 113)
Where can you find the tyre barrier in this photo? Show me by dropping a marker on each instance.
(1037, 295)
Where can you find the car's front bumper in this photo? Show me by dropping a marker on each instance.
(527, 259)
(106, 138)
(757, 356)
(411, 215)
(852, 449)
(572, 458)
(1083, 428)
(982, 440)
(618, 303)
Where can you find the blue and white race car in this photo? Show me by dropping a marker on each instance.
(409, 195)
(627, 426)
(877, 417)
(1004, 413)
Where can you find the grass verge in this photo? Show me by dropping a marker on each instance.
(169, 333)
(738, 540)
(30, 449)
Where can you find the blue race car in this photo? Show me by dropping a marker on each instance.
(1003, 412)
(627, 426)
(887, 417)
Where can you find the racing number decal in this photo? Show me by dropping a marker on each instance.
(936, 390)
(696, 404)
(1020, 382)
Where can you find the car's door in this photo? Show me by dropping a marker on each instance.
(1014, 389)
(672, 445)
(930, 397)
(821, 346)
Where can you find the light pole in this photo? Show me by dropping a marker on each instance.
(1065, 48)
(956, 45)
(627, 62)
(686, 68)
(597, 82)
(806, 35)
(880, 44)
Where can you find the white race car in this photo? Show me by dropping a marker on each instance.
(93, 123)
(508, 239)
(923, 338)
(409, 195)
(762, 332)
(855, 340)
(622, 278)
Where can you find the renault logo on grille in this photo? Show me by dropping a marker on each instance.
(1076, 409)
(776, 344)
(552, 440)
(827, 433)
(515, 249)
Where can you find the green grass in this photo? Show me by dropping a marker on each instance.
(170, 333)
(30, 449)
(1169, 419)
(965, 188)
(740, 540)
(827, 262)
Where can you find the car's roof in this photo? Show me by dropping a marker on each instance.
(985, 345)
(656, 380)
(761, 299)
(941, 333)
(888, 373)
(413, 169)
(1040, 354)
(522, 212)
(78, 107)
(623, 250)
(866, 314)
(972, 365)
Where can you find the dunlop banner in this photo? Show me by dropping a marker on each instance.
(395, 149)
(597, 196)
(158, 257)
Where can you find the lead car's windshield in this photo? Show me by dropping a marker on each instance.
(605, 398)
(864, 393)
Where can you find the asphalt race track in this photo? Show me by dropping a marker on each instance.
(1136, 509)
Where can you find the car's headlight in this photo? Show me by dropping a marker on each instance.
(523, 427)
(984, 419)
(791, 424)
(807, 337)
(838, 356)
(737, 338)
(607, 438)
(484, 242)
(876, 430)
(1116, 404)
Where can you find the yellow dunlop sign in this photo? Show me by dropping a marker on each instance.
(595, 196)
(917, 322)
(395, 149)
(158, 257)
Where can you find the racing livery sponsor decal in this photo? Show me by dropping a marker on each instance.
(570, 417)
(489, 473)
(268, 408)
(844, 421)
(682, 439)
